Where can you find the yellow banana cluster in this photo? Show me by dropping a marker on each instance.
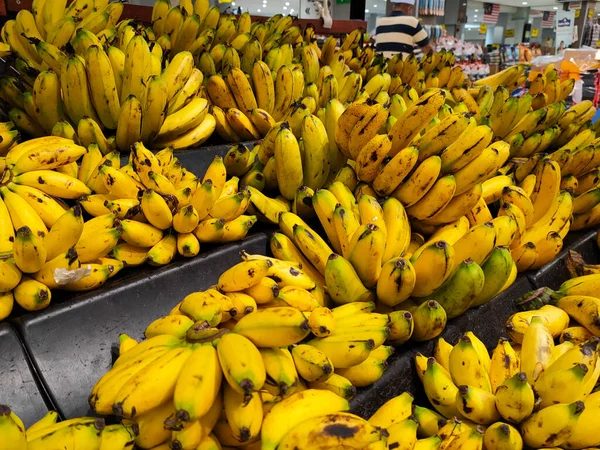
(48, 432)
(434, 70)
(149, 210)
(255, 360)
(531, 393)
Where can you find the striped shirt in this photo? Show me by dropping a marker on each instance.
(399, 33)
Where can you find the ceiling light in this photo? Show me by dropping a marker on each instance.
(367, 11)
(555, 7)
(374, 6)
(524, 3)
(476, 10)
(285, 8)
(291, 11)
(232, 3)
(464, 4)
(287, 3)
(259, 10)
(475, 16)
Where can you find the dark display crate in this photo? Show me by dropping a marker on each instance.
(19, 387)
(73, 344)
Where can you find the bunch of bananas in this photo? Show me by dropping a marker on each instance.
(46, 433)
(434, 70)
(284, 357)
(146, 211)
(510, 77)
(577, 297)
(543, 389)
(124, 92)
(546, 87)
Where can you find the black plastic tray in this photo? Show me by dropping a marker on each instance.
(70, 344)
(19, 387)
(486, 321)
(555, 272)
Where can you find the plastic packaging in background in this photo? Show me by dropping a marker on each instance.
(577, 93)
(571, 60)
(539, 63)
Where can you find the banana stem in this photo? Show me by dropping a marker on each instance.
(574, 264)
(536, 299)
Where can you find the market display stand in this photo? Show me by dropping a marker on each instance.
(51, 359)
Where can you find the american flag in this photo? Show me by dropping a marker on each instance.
(548, 19)
(491, 12)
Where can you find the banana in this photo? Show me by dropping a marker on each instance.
(129, 126)
(395, 171)
(53, 183)
(154, 114)
(343, 282)
(312, 364)
(291, 327)
(74, 85)
(465, 149)
(396, 281)
(467, 367)
(7, 235)
(419, 182)
(536, 352)
(553, 425)
(458, 207)
(370, 237)
(25, 122)
(68, 260)
(48, 100)
(264, 88)
(22, 213)
(477, 405)
(316, 164)
(415, 118)
(429, 321)
(244, 374)
(288, 162)
(582, 308)
(497, 271)
(103, 89)
(148, 388)
(502, 436)
(194, 395)
(187, 118)
(282, 92)
(29, 250)
(90, 248)
(451, 232)
(297, 408)
(439, 255)
(460, 291)
(435, 200)
(440, 389)
(478, 243)
(366, 128)
(444, 134)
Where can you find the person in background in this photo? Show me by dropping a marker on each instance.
(400, 32)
